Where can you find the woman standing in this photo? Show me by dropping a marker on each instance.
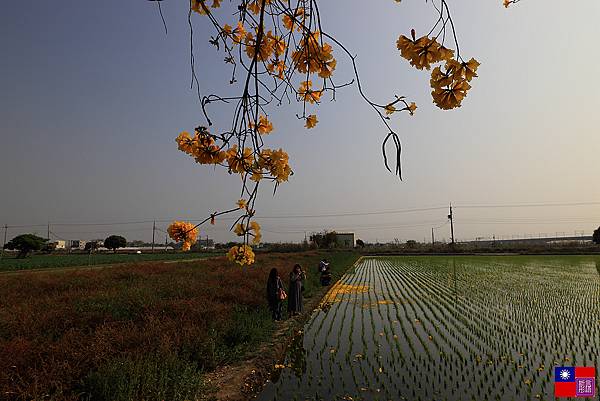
(297, 278)
(275, 294)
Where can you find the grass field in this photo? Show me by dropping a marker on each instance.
(136, 332)
(11, 263)
(447, 328)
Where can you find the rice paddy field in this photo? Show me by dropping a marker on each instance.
(446, 328)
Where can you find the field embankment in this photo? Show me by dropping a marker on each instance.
(144, 331)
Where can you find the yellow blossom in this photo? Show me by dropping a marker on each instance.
(264, 125)
(183, 231)
(411, 108)
(239, 163)
(276, 65)
(311, 56)
(265, 47)
(200, 7)
(423, 52)
(311, 121)
(290, 22)
(305, 93)
(241, 254)
(239, 32)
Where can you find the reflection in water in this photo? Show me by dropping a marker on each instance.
(339, 289)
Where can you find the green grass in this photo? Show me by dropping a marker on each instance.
(11, 263)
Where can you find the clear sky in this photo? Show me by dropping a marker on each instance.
(94, 94)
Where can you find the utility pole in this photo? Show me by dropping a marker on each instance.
(432, 237)
(48, 232)
(451, 217)
(153, 231)
(4, 243)
(165, 242)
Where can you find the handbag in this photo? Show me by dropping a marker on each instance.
(281, 294)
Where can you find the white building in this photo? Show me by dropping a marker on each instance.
(344, 240)
(76, 244)
(59, 244)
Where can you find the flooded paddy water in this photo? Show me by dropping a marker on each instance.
(446, 328)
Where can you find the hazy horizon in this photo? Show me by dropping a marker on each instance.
(94, 95)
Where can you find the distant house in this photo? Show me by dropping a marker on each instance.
(59, 244)
(205, 244)
(76, 244)
(344, 240)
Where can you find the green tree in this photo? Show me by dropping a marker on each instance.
(360, 243)
(26, 243)
(91, 246)
(326, 239)
(115, 241)
(596, 236)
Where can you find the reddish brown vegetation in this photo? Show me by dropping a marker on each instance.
(58, 327)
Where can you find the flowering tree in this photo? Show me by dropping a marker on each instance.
(278, 50)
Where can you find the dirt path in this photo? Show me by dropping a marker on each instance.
(245, 379)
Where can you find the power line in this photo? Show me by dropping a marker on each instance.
(323, 215)
(516, 205)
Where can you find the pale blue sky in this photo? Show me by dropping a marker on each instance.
(94, 93)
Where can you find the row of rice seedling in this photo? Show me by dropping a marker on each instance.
(462, 328)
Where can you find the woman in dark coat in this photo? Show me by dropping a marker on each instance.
(297, 278)
(274, 289)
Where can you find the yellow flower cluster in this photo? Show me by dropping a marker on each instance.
(313, 57)
(276, 162)
(264, 126)
(236, 34)
(311, 121)
(295, 22)
(269, 45)
(450, 83)
(202, 147)
(276, 65)
(423, 52)
(183, 231)
(200, 6)
(239, 162)
(252, 229)
(241, 254)
(307, 94)
(254, 7)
